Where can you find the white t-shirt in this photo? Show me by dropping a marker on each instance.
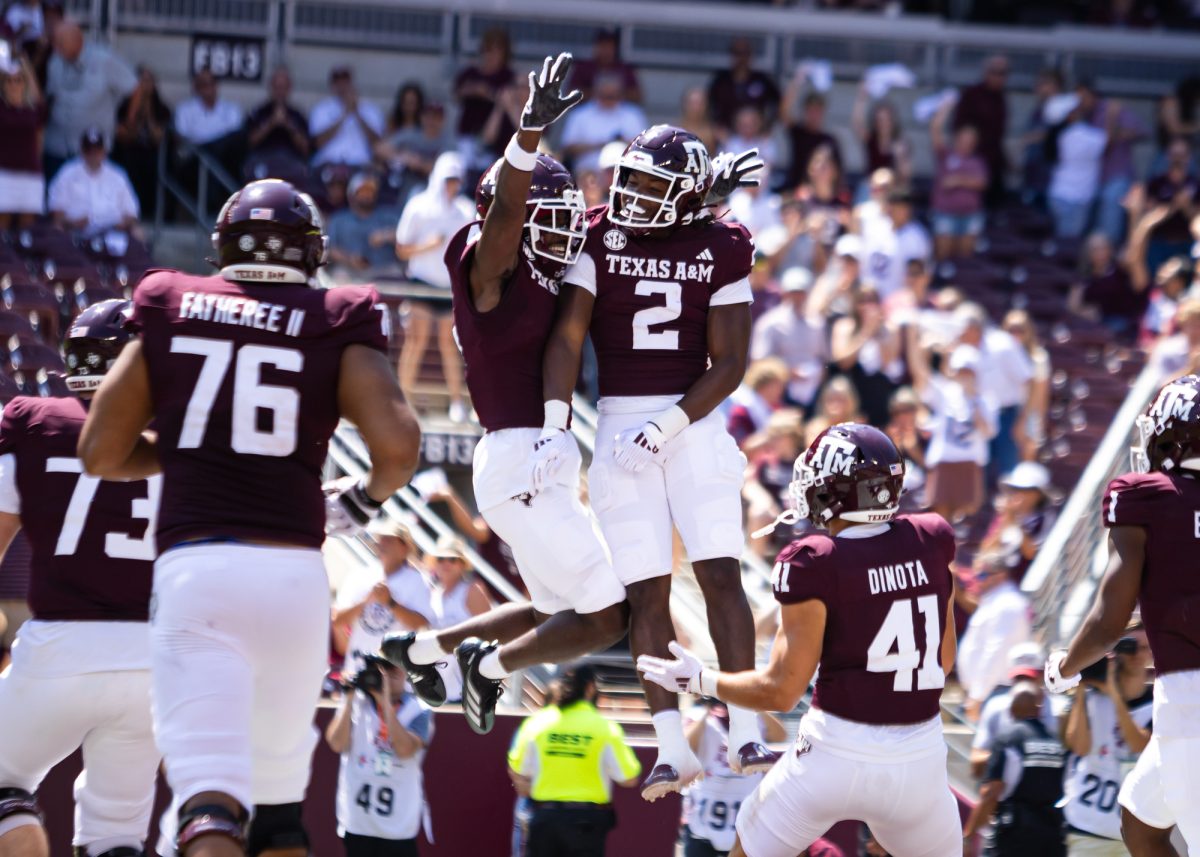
(1007, 370)
(196, 122)
(409, 589)
(711, 804)
(350, 145)
(1000, 622)
(887, 251)
(1076, 176)
(954, 436)
(428, 215)
(380, 794)
(19, 15)
(594, 125)
(105, 197)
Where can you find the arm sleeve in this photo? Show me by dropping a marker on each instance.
(406, 228)
(738, 292)
(57, 198)
(358, 316)
(1128, 502)
(322, 118)
(799, 573)
(582, 273)
(420, 724)
(521, 755)
(620, 762)
(372, 116)
(995, 765)
(10, 500)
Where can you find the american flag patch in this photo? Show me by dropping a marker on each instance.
(896, 469)
(261, 213)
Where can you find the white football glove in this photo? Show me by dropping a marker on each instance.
(680, 674)
(348, 507)
(636, 447)
(1056, 682)
(551, 451)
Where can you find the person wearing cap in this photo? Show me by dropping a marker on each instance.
(889, 243)
(457, 595)
(1023, 515)
(361, 236)
(377, 599)
(962, 421)
(1000, 621)
(1108, 727)
(1025, 662)
(22, 116)
(790, 333)
(343, 126)
(92, 195)
(603, 119)
(565, 759)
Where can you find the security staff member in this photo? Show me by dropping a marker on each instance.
(565, 759)
(1022, 785)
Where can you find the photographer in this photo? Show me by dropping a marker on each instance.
(381, 733)
(1106, 730)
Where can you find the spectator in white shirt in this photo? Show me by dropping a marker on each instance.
(430, 219)
(1075, 179)
(961, 423)
(1180, 354)
(92, 195)
(602, 120)
(797, 338)
(1000, 622)
(890, 242)
(344, 127)
(206, 117)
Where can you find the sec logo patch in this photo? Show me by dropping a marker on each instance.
(614, 239)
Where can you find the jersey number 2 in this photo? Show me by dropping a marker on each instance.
(250, 395)
(898, 632)
(644, 319)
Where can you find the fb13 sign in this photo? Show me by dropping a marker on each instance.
(229, 57)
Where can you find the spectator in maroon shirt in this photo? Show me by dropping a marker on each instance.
(477, 86)
(740, 85)
(806, 135)
(606, 59)
(22, 118)
(877, 127)
(985, 107)
(1178, 189)
(1109, 294)
(958, 188)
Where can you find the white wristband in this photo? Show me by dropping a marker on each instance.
(672, 421)
(518, 158)
(708, 683)
(558, 413)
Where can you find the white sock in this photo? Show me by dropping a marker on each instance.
(426, 649)
(743, 728)
(490, 666)
(672, 746)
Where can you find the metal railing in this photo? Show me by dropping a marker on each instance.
(195, 205)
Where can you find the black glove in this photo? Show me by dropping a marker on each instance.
(546, 102)
(731, 172)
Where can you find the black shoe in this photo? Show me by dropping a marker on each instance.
(480, 693)
(426, 680)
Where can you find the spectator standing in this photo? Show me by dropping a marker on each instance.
(505, 119)
(694, 117)
(750, 132)
(606, 59)
(1035, 166)
(1109, 294)
(1023, 517)
(836, 403)
(410, 153)
(1123, 129)
(758, 396)
(571, 793)
(362, 236)
(343, 126)
(277, 132)
(23, 117)
(889, 243)
(478, 86)
(772, 455)
(789, 332)
(741, 85)
(984, 106)
(377, 599)
(1026, 662)
(868, 352)
(878, 129)
(874, 207)
(962, 422)
(406, 108)
(825, 204)
(25, 21)
(457, 596)
(1177, 189)
(1030, 431)
(1180, 354)
(600, 121)
(1179, 113)
(904, 430)
(381, 736)
(142, 122)
(1022, 785)
(1107, 728)
(90, 194)
(958, 186)
(1075, 179)
(806, 134)
(212, 123)
(999, 622)
(84, 84)
(430, 219)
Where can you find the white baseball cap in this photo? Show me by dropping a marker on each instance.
(964, 357)
(796, 279)
(1028, 476)
(848, 245)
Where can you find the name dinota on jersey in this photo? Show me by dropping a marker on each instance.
(886, 578)
(245, 312)
(658, 269)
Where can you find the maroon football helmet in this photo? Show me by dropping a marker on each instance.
(93, 342)
(851, 471)
(269, 232)
(673, 155)
(1169, 430)
(554, 215)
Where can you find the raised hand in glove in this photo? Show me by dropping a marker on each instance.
(348, 506)
(731, 172)
(546, 103)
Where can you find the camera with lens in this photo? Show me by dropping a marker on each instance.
(370, 678)
(1098, 672)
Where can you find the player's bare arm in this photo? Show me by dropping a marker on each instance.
(114, 443)
(728, 351)
(560, 370)
(9, 525)
(949, 641)
(989, 797)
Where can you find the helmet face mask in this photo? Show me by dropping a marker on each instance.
(1168, 433)
(555, 228)
(661, 180)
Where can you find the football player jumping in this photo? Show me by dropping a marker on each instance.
(505, 287)
(1153, 516)
(80, 675)
(663, 288)
(245, 375)
(870, 600)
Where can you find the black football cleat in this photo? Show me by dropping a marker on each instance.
(754, 758)
(666, 778)
(426, 680)
(480, 693)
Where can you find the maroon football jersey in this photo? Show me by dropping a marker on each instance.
(502, 348)
(244, 380)
(885, 599)
(1168, 507)
(650, 320)
(92, 540)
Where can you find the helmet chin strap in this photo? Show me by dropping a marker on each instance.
(790, 517)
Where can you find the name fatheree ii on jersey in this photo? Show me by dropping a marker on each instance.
(652, 297)
(243, 377)
(92, 540)
(886, 597)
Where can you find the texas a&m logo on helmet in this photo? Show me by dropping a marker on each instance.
(850, 471)
(1169, 430)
